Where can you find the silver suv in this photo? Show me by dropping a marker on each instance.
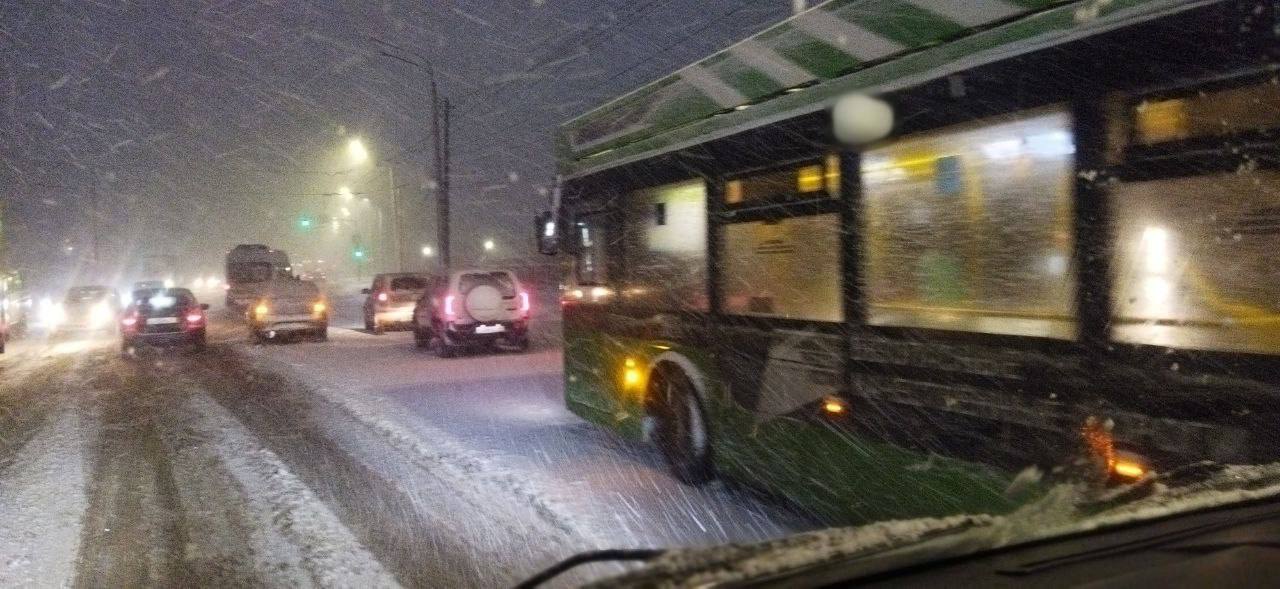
(472, 308)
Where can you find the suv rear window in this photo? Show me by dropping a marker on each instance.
(502, 281)
(82, 294)
(408, 283)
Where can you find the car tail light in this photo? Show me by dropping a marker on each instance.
(382, 297)
(129, 320)
(524, 302)
(448, 306)
(195, 317)
(226, 286)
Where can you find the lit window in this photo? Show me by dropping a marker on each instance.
(970, 228)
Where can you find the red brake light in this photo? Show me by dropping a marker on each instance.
(382, 297)
(448, 306)
(524, 302)
(129, 320)
(194, 317)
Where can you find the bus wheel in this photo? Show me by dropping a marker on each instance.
(681, 429)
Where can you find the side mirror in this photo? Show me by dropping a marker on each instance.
(364, 291)
(548, 233)
(858, 119)
(204, 306)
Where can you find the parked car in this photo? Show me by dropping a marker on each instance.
(88, 309)
(389, 302)
(472, 308)
(289, 307)
(163, 316)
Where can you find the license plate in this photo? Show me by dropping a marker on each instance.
(490, 329)
(294, 317)
(161, 320)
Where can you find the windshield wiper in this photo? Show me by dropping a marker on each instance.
(613, 554)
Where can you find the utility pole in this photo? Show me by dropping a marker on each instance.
(442, 196)
(395, 217)
(93, 218)
(439, 151)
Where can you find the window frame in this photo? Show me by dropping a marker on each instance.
(1169, 160)
(722, 214)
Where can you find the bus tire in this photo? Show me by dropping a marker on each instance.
(681, 426)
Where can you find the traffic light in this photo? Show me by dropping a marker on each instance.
(305, 223)
(358, 253)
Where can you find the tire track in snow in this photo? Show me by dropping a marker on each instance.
(431, 522)
(30, 393)
(42, 500)
(330, 552)
(133, 531)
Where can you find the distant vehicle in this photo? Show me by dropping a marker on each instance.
(148, 285)
(288, 306)
(472, 308)
(87, 308)
(15, 305)
(390, 300)
(250, 267)
(163, 316)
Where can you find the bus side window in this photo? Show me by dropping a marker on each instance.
(666, 246)
(969, 228)
(1196, 222)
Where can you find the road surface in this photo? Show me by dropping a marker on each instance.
(360, 461)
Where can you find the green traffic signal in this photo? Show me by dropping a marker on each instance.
(304, 223)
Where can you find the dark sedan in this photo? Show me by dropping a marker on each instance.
(163, 316)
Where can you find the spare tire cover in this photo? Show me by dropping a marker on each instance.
(484, 303)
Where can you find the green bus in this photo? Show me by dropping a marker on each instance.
(1056, 257)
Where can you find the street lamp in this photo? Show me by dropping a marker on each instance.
(345, 193)
(359, 154)
(427, 251)
(488, 245)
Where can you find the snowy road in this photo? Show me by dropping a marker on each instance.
(361, 461)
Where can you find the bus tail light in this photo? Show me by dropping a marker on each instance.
(524, 302)
(449, 312)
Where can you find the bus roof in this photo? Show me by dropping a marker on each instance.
(806, 62)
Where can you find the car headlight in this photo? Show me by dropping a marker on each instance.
(261, 310)
(319, 308)
(99, 315)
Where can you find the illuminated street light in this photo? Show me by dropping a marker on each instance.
(488, 245)
(427, 251)
(346, 212)
(345, 192)
(358, 153)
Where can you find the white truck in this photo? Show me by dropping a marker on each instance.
(250, 269)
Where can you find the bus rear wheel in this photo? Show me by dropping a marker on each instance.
(681, 428)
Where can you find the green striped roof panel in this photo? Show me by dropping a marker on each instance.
(842, 45)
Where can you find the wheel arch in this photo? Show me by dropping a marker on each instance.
(696, 376)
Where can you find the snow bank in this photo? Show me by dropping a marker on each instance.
(42, 500)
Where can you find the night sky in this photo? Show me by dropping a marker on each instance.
(205, 124)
